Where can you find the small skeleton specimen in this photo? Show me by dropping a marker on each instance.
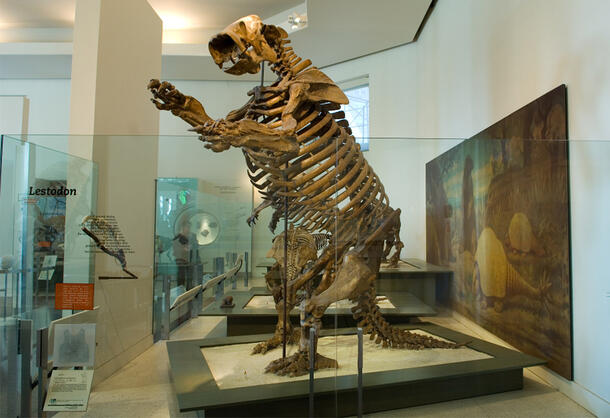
(104, 236)
(299, 152)
(301, 251)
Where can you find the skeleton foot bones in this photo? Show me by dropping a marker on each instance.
(276, 341)
(298, 364)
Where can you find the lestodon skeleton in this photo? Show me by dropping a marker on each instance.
(304, 161)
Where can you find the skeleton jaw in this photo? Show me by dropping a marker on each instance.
(237, 61)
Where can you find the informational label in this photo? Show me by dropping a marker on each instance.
(74, 345)
(227, 189)
(27, 200)
(75, 296)
(47, 268)
(106, 229)
(69, 390)
(106, 237)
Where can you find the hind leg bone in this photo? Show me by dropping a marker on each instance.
(352, 278)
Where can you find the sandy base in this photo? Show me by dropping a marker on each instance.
(266, 302)
(232, 365)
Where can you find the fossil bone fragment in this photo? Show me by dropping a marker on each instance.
(299, 152)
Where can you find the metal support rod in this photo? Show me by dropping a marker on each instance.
(219, 268)
(10, 391)
(312, 365)
(5, 292)
(35, 290)
(25, 349)
(196, 305)
(42, 361)
(46, 299)
(17, 288)
(285, 271)
(247, 271)
(166, 305)
(262, 73)
(360, 363)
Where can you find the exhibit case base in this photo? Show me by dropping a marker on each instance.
(221, 377)
(254, 311)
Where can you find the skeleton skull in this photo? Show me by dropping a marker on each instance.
(244, 44)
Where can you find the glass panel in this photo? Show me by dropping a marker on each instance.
(484, 224)
(44, 192)
(200, 233)
(44, 195)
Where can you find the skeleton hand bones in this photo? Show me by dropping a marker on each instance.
(167, 97)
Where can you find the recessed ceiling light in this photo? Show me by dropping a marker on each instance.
(297, 21)
(172, 22)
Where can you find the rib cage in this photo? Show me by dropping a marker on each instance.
(328, 155)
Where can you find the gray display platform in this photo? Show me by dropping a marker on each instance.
(498, 370)
(243, 320)
(428, 282)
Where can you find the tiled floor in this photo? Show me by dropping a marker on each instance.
(143, 388)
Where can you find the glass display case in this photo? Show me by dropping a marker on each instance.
(492, 229)
(44, 196)
(200, 233)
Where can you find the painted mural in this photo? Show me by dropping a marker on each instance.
(497, 213)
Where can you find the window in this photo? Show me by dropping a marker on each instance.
(357, 112)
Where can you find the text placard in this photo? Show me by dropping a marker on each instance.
(75, 296)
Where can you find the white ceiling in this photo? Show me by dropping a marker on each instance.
(338, 30)
(187, 14)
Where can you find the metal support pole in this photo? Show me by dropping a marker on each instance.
(219, 268)
(196, 304)
(247, 273)
(18, 292)
(312, 365)
(166, 305)
(42, 360)
(360, 363)
(234, 278)
(25, 349)
(35, 289)
(46, 299)
(5, 292)
(9, 394)
(285, 271)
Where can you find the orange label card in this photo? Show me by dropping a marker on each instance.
(75, 296)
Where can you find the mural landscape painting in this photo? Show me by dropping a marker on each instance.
(497, 213)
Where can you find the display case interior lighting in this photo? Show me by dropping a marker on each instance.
(297, 21)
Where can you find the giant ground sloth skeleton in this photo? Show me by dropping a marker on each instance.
(299, 151)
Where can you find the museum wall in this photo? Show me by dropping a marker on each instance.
(49, 105)
(477, 61)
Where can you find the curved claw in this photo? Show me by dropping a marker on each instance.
(153, 84)
(166, 96)
(252, 220)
